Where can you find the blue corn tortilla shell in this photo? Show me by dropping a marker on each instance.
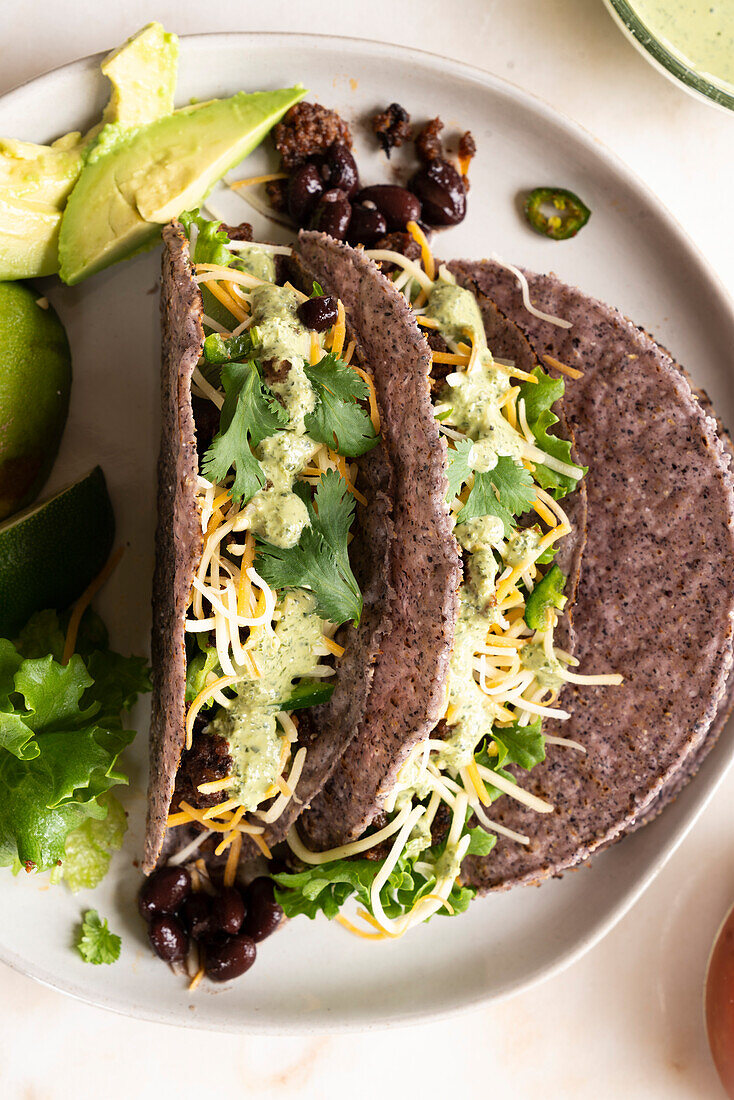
(656, 595)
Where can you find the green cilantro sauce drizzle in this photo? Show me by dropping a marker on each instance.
(249, 725)
(279, 516)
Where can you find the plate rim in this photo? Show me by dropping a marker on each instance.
(705, 273)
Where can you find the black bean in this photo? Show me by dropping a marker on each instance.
(367, 225)
(229, 958)
(304, 188)
(398, 205)
(338, 168)
(168, 937)
(319, 313)
(332, 214)
(442, 193)
(164, 891)
(228, 911)
(196, 914)
(263, 912)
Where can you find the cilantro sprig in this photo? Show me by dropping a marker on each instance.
(458, 469)
(250, 413)
(506, 491)
(320, 561)
(338, 420)
(96, 943)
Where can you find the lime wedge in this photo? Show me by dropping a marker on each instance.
(35, 382)
(50, 552)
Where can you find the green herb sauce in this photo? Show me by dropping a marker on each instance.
(249, 725)
(256, 261)
(699, 35)
(283, 338)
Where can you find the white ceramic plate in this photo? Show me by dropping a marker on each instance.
(314, 977)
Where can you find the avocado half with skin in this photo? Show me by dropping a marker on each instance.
(134, 182)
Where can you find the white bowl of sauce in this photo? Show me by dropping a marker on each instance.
(690, 41)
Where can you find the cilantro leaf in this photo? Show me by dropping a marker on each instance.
(539, 397)
(96, 944)
(318, 290)
(250, 413)
(60, 737)
(89, 847)
(320, 561)
(338, 420)
(458, 469)
(506, 491)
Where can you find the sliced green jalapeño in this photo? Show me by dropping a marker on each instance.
(571, 214)
(308, 693)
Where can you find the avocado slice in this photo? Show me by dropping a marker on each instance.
(135, 181)
(143, 77)
(36, 180)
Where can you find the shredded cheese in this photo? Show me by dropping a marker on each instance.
(562, 367)
(340, 329)
(230, 868)
(522, 280)
(374, 409)
(252, 180)
(84, 601)
(426, 255)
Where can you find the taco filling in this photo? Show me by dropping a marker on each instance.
(506, 477)
(281, 412)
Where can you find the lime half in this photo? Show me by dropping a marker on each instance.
(50, 552)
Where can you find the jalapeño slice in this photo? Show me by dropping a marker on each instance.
(571, 214)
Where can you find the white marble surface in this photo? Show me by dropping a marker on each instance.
(625, 1021)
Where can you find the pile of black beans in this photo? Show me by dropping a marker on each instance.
(227, 926)
(324, 193)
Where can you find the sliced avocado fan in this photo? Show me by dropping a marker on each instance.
(135, 181)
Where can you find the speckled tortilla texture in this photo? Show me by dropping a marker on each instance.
(656, 599)
(409, 687)
(178, 539)
(675, 784)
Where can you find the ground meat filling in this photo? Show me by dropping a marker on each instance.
(392, 127)
(277, 192)
(306, 129)
(207, 759)
(241, 232)
(206, 420)
(428, 144)
(403, 243)
(274, 371)
(467, 146)
(439, 371)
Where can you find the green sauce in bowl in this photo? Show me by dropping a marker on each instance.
(691, 40)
